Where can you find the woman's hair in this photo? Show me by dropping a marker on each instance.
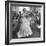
(24, 9)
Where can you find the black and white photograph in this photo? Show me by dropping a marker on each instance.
(24, 22)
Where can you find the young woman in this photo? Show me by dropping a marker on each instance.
(25, 29)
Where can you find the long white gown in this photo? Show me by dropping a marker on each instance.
(25, 29)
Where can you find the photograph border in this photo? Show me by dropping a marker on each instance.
(7, 21)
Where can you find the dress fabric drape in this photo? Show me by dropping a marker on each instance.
(25, 29)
